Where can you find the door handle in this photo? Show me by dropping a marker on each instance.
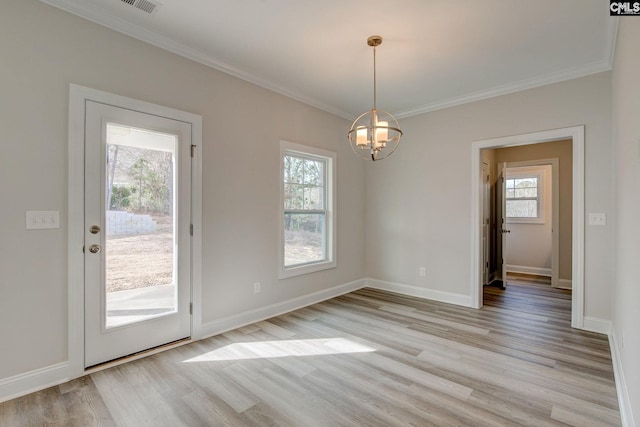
(94, 249)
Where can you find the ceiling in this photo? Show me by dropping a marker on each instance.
(435, 53)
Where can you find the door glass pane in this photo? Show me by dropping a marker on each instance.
(140, 255)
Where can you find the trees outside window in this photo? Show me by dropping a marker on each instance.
(522, 197)
(307, 209)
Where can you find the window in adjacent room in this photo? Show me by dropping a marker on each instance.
(524, 195)
(307, 201)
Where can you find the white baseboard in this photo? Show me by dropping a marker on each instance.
(624, 402)
(39, 379)
(29, 382)
(523, 269)
(228, 323)
(564, 283)
(415, 291)
(594, 324)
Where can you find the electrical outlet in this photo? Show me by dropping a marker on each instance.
(256, 288)
(422, 272)
(38, 220)
(597, 219)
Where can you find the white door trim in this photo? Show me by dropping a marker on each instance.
(78, 96)
(575, 133)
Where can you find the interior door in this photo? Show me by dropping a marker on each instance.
(502, 215)
(137, 232)
(486, 213)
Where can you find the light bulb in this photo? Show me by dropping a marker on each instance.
(361, 136)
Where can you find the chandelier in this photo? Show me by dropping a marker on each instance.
(375, 134)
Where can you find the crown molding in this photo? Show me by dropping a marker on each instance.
(606, 64)
(612, 38)
(556, 77)
(94, 13)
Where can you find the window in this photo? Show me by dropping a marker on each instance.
(307, 180)
(524, 196)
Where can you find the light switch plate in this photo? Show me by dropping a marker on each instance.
(38, 220)
(597, 219)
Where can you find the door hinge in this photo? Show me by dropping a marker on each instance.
(190, 308)
(193, 149)
(191, 229)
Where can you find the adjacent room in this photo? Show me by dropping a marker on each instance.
(314, 214)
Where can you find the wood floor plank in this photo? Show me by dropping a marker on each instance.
(367, 358)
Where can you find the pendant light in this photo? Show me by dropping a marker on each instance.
(374, 135)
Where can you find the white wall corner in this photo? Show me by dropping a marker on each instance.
(32, 381)
(228, 323)
(626, 414)
(420, 292)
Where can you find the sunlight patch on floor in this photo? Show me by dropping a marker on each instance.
(288, 348)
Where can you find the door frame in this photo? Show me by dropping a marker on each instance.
(576, 134)
(78, 96)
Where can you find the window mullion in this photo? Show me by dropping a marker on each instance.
(523, 198)
(305, 211)
(303, 182)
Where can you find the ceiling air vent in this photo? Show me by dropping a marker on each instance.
(144, 5)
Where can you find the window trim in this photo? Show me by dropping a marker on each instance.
(528, 172)
(329, 262)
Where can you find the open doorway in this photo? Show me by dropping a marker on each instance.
(530, 212)
(575, 136)
(529, 233)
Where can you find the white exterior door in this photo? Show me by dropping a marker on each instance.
(137, 244)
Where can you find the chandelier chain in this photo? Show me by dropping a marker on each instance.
(374, 78)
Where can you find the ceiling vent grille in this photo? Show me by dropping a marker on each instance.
(144, 5)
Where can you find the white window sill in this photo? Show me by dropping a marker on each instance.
(294, 271)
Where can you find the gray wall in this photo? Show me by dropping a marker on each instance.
(418, 214)
(42, 51)
(626, 123)
(416, 204)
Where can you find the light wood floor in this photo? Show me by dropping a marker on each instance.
(368, 358)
